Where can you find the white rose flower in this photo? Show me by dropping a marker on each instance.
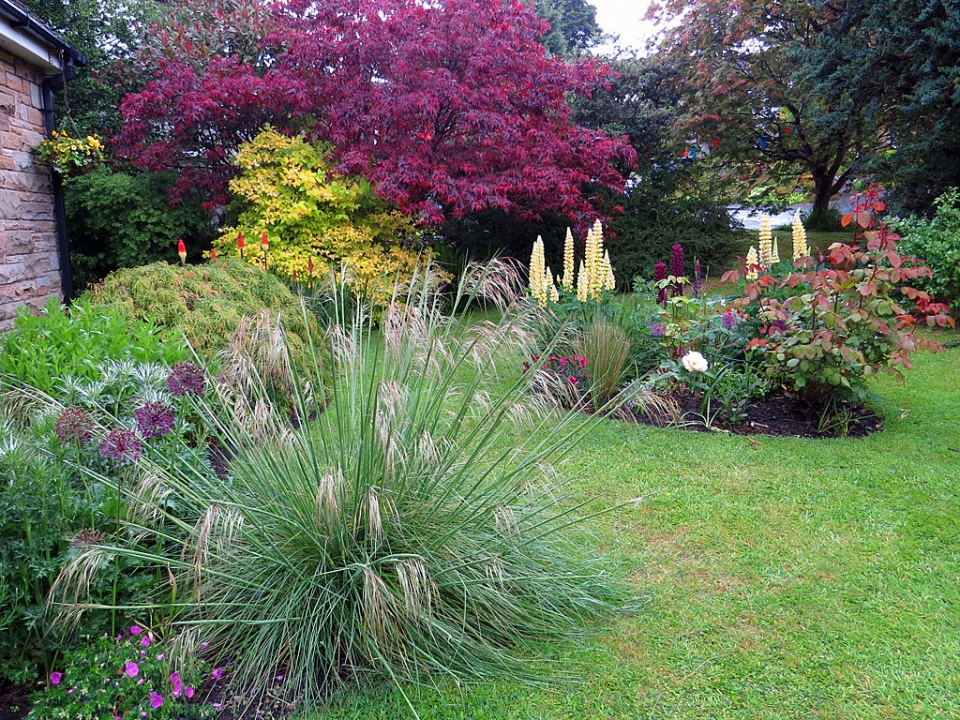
(694, 362)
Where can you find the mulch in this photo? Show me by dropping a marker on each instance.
(14, 701)
(782, 415)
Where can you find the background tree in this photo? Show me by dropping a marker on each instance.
(765, 86)
(907, 53)
(667, 199)
(106, 32)
(573, 26)
(445, 109)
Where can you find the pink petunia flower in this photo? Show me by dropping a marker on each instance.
(131, 669)
(177, 685)
(55, 678)
(217, 673)
(155, 700)
(135, 629)
(146, 641)
(189, 692)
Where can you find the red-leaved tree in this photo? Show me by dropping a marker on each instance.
(447, 108)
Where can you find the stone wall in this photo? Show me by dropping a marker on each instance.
(29, 259)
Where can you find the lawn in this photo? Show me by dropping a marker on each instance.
(776, 577)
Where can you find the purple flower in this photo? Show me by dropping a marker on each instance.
(177, 685)
(135, 629)
(676, 269)
(155, 700)
(657, 330)
(154, 419)
(121, 445)
(217, 673)
(676, 260)
(131, 669)
(728, 321)
(189, 692)
(55, 678)
(146, 641)
(74, 425)
(186, 378)
(697, 279)
(660, 273)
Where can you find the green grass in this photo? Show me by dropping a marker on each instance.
(784, 238)
(779, 578)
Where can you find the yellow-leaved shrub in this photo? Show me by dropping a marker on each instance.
(317, 220)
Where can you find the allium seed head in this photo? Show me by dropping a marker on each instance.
(186, 378)
(74, 425)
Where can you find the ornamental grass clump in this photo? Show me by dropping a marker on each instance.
(408, 532)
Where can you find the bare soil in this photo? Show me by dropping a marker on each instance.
(783, 415)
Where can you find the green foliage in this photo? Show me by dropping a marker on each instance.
(42, 503)
(106, 32)
(573, 26)
(289, 191)
(937, 241)
(393, 535)
(657, 215)
(204, 302)
(42, 350)
(130, 676)
(125, 219)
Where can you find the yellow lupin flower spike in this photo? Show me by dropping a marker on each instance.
(538, 286)
(610, 282)
(553, 294)
(567, 280)
(766, 247)
(752, 261)
(799, 237)
(582, 291)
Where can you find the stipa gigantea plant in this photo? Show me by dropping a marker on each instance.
(403, 533)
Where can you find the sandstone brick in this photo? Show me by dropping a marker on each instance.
(12, 272)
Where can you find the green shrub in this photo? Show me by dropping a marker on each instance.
(125, 219)
(40, 350)
(652, 223)
(407, 532)
(841, 322)
(937, 241)
(204, 302)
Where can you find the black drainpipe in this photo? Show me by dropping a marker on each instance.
(59, 208)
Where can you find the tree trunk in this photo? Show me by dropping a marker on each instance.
(823, 183)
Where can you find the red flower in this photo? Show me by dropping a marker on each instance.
(310, 264)
(240, 240)
(264, 242)
(213, 254)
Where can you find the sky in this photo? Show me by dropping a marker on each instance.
(624, 17)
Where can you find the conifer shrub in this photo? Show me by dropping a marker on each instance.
(205, 303)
